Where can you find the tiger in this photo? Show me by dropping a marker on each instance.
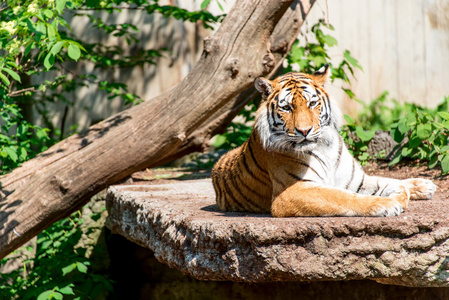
(295, 162)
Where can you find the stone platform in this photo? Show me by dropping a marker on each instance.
(181, 224)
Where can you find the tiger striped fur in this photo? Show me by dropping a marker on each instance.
(295, 162)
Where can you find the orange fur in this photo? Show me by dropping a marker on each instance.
(296, 164)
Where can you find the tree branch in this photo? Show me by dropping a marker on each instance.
(63, 178)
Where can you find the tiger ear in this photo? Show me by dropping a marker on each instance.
(322, 74)
(264, 86)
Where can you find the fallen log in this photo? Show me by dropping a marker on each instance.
(63, 178)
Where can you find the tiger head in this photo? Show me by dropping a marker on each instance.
(296, 111)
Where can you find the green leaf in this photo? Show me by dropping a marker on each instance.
(74, 52)
(60, 5)
(411, 119)
(56, 48)
(433, 162)
(349, 93)
(440, 125)
(204, 4)
(51, 30)
(67, 290)
(352, 60)
(220, 6)
(414, 142)
(46, 244)
(92, 3)
(424, 131)
(406, 152)
(365, 136)
(49, 60)
(330, 40)
(13, 74)
(363, 156)
(4, 79)
(349, 119)
(445, 164)
(21, 129)
(396, 134)
(22, 154)
(11, 152)
(403, 126)
(68, 269)
(41, 28)
(397, 158)
(81, 267)
(30, 25)
(48, 13)
(220, 140)
(444, 115)
(46, 295)
(41, 134)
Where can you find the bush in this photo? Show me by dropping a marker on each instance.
(422, 133)
(59, 267)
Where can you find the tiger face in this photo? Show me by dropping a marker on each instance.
(295, 111)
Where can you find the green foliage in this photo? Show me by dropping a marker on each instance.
(36, 38)
(424, 134)
(19, 140)
(381, 112)
(357, 140)
(59, 268)
(313, 55)
(239, 130)
(421, 132)
(310, 59)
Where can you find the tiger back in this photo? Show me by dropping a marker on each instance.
(295, 162)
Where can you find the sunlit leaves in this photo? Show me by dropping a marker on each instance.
(60, 267)
(11, 73)
(37, 38)
(313, 55)
(423, 134)
(74, 51)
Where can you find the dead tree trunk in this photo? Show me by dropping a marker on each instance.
(63, 178)
(281, 40)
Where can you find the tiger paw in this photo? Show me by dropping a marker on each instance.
(386, 208)
(420, 189)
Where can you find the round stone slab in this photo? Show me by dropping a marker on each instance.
(180, 222)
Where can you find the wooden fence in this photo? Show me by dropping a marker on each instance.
(402, 45)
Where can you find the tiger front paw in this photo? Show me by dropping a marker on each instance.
(386, 208)
(420, 189)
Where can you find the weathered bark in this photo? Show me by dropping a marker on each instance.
(282, 38)
(63, 178)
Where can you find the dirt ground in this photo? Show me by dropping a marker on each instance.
(410, 170)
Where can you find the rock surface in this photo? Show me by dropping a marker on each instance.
(181, 224)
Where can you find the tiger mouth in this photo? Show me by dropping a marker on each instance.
(288, 141)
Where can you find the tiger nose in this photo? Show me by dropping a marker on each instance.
(303, 131)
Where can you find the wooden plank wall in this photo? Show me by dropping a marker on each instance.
(183, 42)
(402, 45)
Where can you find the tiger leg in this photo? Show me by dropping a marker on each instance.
(311, 199)
(420, 189)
